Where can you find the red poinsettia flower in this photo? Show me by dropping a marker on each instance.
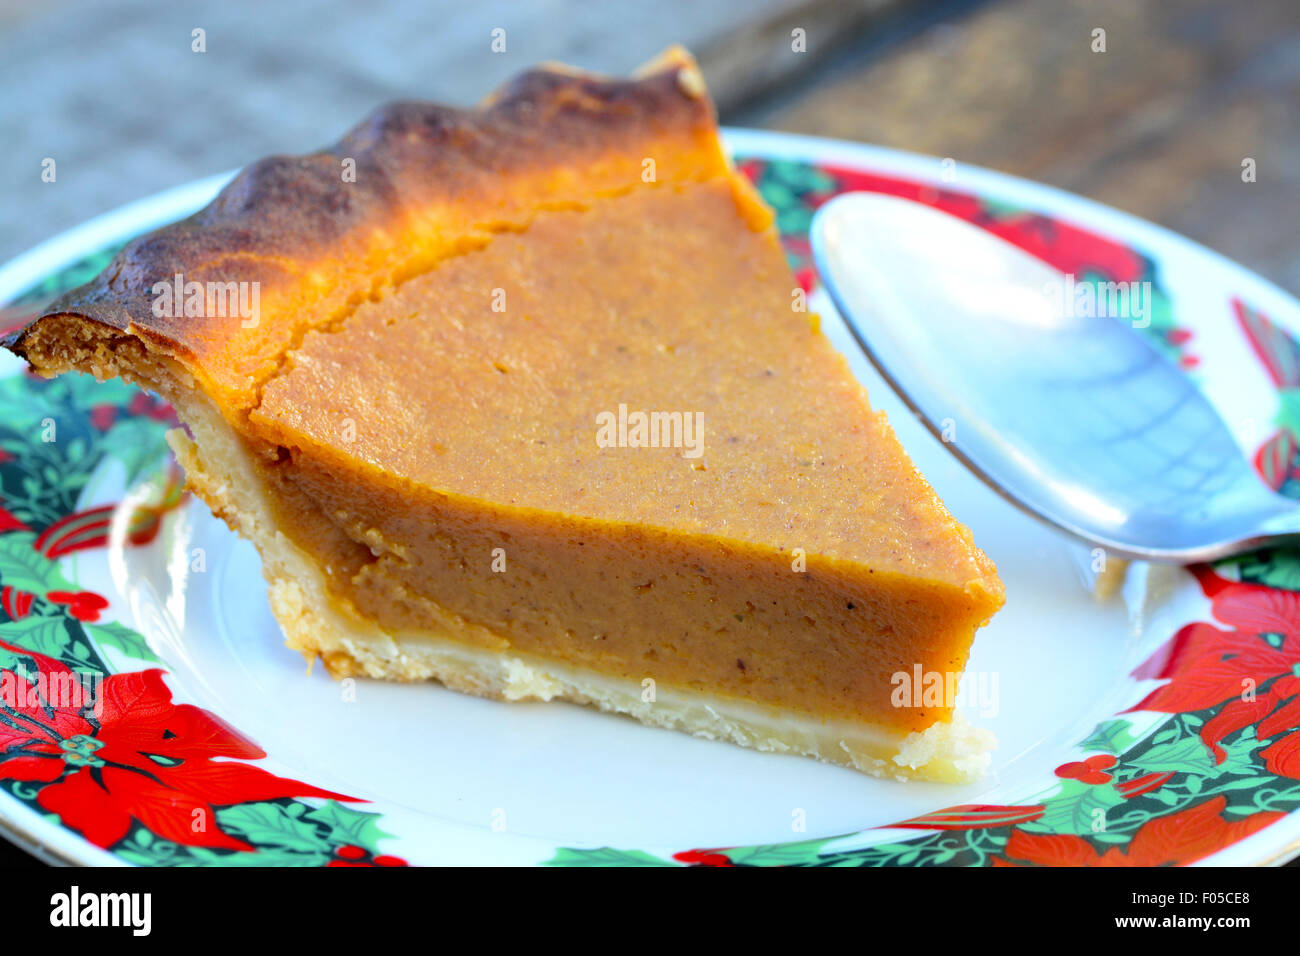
(751, 169)
(1069, 248)
(1206, 666)
(17, 604)
(972, 816)
(1143, 784)
(806, 277)
(1271, 712)
(1274, 457)
(1074, 251)
(1092, 770)
(83, 605)
(8, 522)
(702, 858)
(1283, 757)
(141, 758)
(963, 205)
(1176, 839)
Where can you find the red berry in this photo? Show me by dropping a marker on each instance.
(103, 416)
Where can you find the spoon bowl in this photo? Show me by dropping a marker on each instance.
(1043, 384)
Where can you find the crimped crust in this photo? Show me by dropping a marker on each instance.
(430, 181)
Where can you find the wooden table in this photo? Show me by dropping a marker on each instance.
(1157, 125)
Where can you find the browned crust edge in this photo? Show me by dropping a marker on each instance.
(282, 213)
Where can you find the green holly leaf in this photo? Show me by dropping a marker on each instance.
(780, 854)
(604, 856)
(1278, 568)
(18, 410)
(801, 177)
(119, 636)
(43, 634)
(271, 825)
(1180, 754)
(1170, 732)
(1161, 310)
(1111, 736)
(1288, 410)
(348, 826)
(23, 568)
(1239, 756)
(279, 857)
(943, 856)
(999, 209)
(794, 221)
(1077, 808)
(143, 850)
(143, 856)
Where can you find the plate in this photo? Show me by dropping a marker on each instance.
(1159, 727)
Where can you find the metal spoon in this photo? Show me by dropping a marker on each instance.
(1073, 417)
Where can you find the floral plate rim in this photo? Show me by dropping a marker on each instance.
(51, 840)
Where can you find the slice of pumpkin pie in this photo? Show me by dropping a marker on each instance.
(521, 399)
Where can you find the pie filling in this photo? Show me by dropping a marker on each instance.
(319, 624)
(601, 454)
